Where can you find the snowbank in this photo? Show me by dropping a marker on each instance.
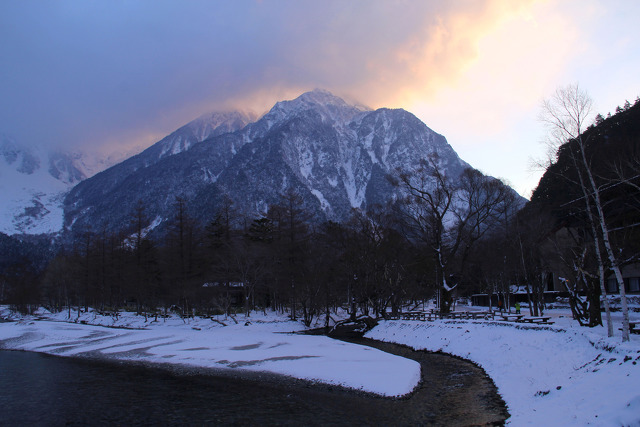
(260, 346)
(552, 375)
(556, 375)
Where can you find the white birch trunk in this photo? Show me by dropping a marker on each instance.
(566, 113)
(607, 245)
(605, 298)
(596, 243)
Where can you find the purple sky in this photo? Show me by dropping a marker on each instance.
(114, 74)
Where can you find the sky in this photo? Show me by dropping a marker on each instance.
(106, 76)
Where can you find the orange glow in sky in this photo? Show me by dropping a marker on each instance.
(78, 75)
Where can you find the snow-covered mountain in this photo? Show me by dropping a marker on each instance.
(34, 181)
(335, 155)
(93, 162)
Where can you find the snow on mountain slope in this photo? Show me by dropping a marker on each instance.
(331, 108)
(91, 163)
(33, 184)
(124, 177)
(335, 155)
(204, 127)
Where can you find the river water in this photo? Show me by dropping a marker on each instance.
(37, 389)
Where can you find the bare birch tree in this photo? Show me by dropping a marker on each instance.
(565, 114)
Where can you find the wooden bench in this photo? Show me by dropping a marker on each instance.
(510, 317)
(433, 316)
(544, 320)
(481, 314)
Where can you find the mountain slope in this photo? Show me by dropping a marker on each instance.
(33, 183)
(334, 154)
(90, 192)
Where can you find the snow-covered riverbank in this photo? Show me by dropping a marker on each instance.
(261, 345)
(548, 375)
(552, 376)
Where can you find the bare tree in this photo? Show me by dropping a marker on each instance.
(574, 251)
(566, 114)
(450, 216)
(290, 219)
(530, 230)
(181, 261)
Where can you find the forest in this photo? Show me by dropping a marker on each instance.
(444, 239)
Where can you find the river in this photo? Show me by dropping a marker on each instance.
(38, 389)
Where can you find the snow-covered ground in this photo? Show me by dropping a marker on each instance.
(555, 375)
(559, 375)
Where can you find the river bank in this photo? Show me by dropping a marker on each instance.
(547, 375)
(262, 344)
(449, 391)
(452, 392)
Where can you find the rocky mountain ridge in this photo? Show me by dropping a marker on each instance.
(335, 155)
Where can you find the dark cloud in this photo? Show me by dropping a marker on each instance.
(88, 72)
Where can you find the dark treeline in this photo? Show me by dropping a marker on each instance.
(279, 261)
(372, 264)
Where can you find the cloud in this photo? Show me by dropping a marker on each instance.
(117, 74)
(79, 73)
(519, 59)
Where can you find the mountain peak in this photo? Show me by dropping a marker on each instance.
(329, 106)
(217, 123)
(321, 97)
(325, 98)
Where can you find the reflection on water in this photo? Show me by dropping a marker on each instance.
(37, 389)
